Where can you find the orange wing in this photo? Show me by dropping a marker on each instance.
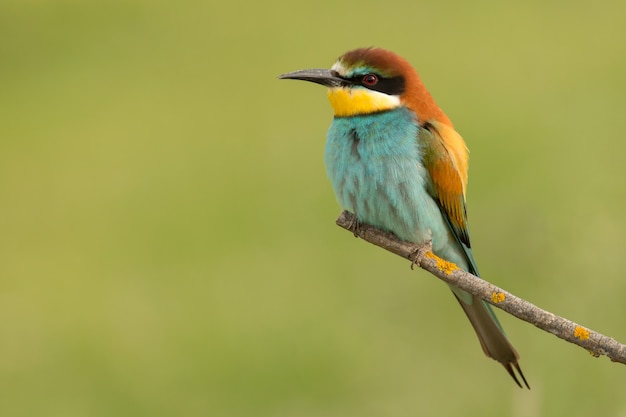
(445, 158)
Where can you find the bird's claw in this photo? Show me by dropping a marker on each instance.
(355, 226)
(417, 256)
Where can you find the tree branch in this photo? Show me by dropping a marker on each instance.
(597, 344)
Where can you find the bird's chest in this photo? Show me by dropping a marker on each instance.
(375, 165)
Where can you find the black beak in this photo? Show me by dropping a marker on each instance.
(319, 76)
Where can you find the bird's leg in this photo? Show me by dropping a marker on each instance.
(417, 256)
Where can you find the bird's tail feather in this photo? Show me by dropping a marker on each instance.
(491, 336)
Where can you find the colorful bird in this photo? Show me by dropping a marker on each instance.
(396, 162)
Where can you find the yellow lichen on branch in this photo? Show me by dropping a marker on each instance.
(442, 264)
(497, 297)
(581, 333)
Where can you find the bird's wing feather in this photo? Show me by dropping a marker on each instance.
(445, 158)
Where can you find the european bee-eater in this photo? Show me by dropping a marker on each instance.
(396, 162)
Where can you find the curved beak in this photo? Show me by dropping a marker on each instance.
(318, 76)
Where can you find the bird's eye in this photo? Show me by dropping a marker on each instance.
(370, 80)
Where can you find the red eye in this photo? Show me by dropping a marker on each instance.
(370, 80)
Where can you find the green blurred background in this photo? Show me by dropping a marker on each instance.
(167, 237)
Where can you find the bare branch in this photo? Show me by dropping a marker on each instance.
(597, 344)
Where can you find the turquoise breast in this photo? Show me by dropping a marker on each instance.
(375, 165)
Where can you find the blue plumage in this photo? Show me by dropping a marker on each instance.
(375, 165)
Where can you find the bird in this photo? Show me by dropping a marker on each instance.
(396, 161)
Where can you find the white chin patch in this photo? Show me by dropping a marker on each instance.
(339, 68)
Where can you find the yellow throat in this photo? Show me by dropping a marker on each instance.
(358, 101)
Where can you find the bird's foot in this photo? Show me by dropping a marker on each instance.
(417, 256)
(355, 226)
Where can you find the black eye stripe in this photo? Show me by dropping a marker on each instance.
(392, 85)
